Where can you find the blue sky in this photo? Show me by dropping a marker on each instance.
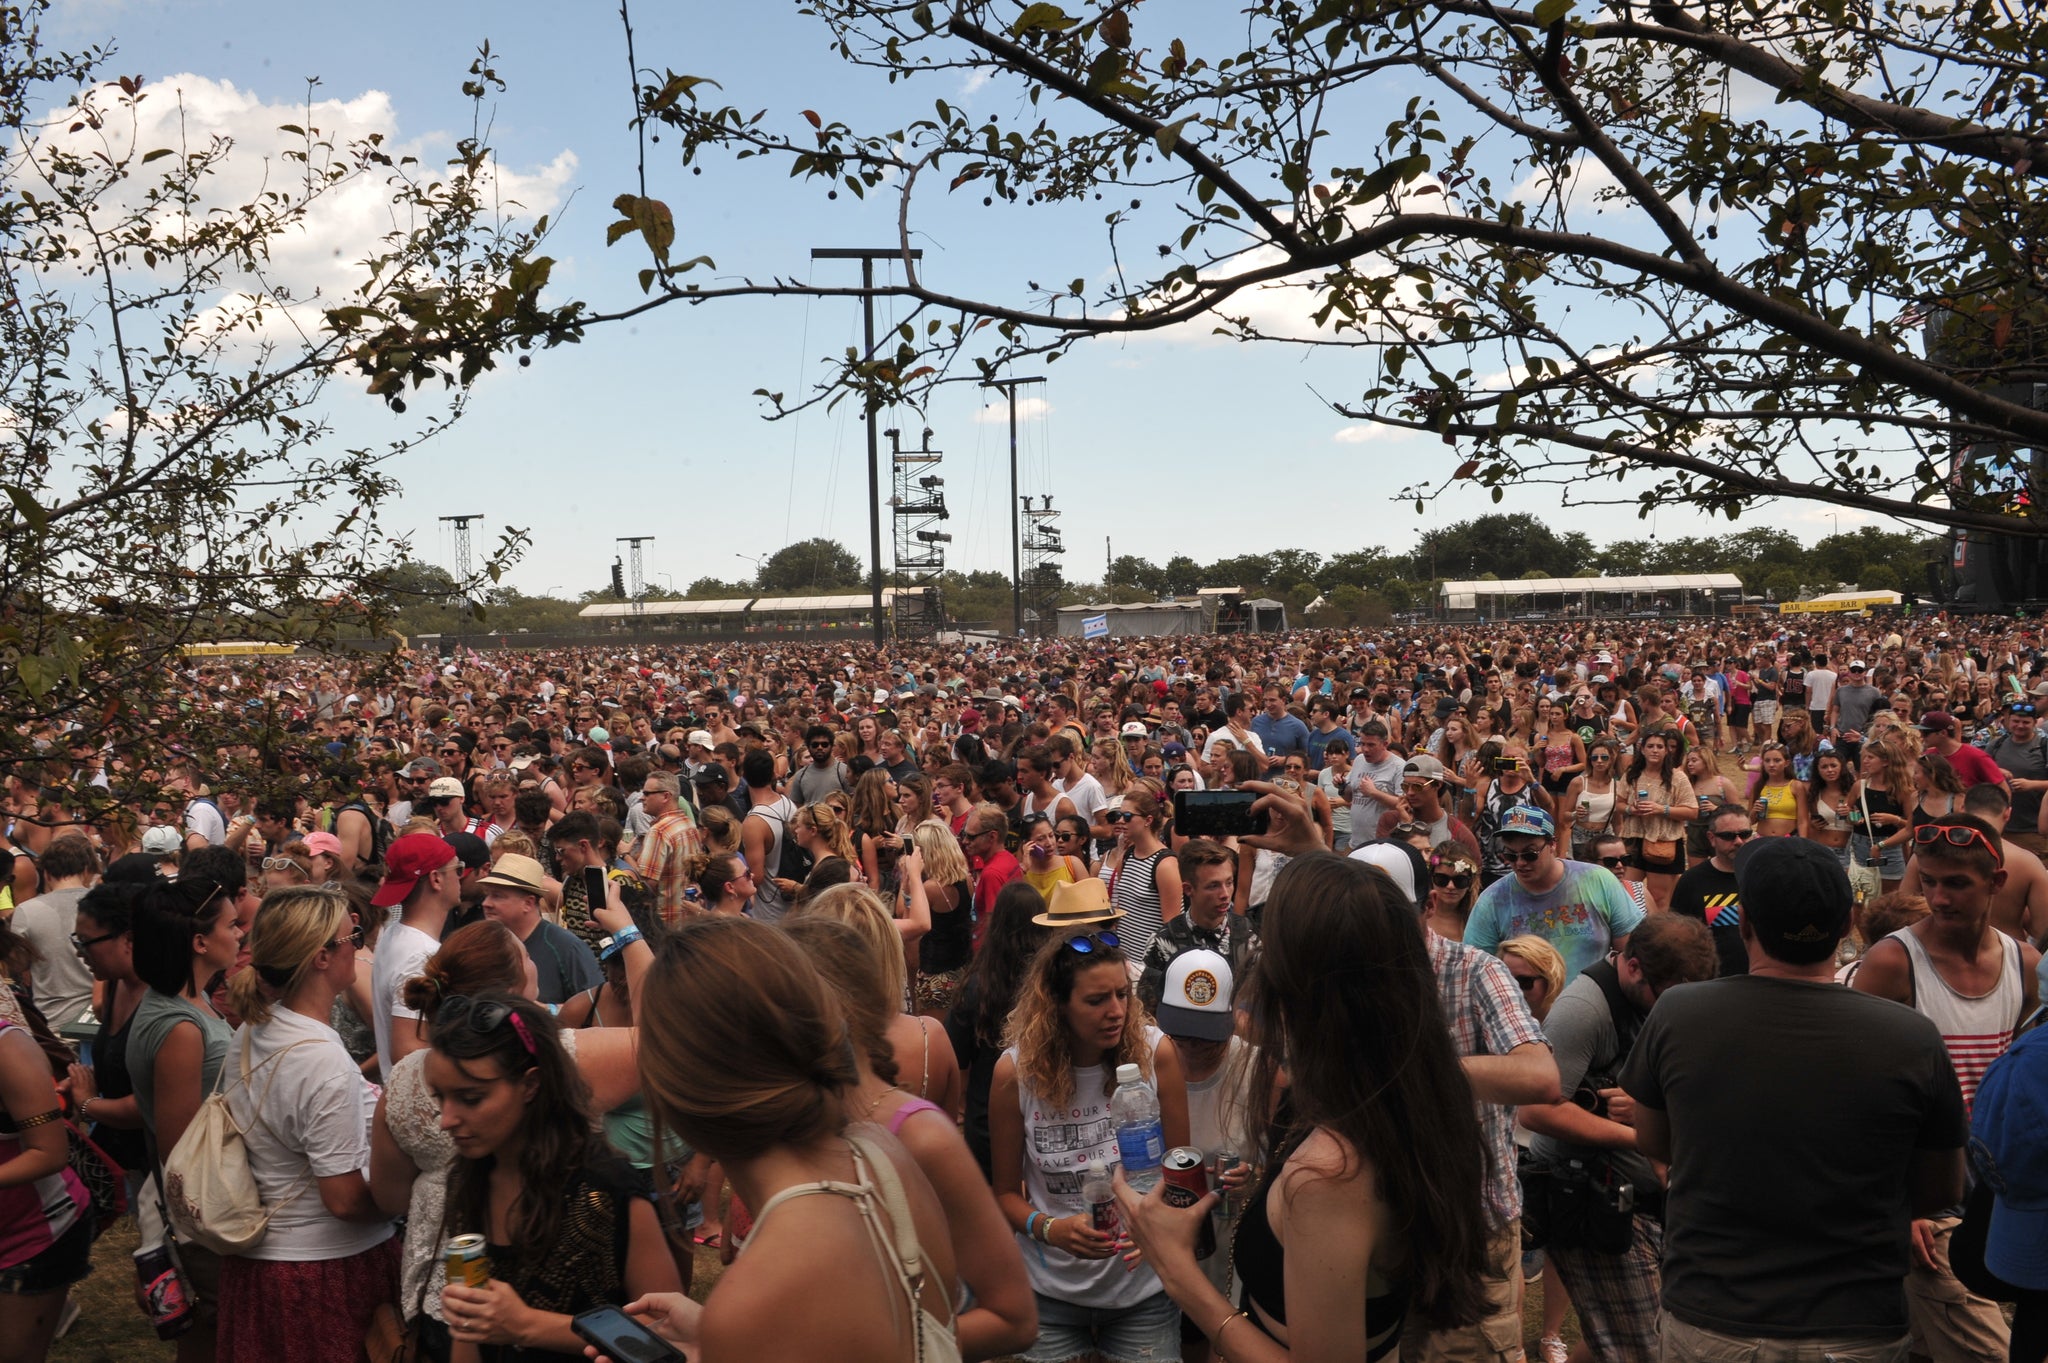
(1161, 445)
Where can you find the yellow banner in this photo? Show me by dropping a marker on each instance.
(1850, 603)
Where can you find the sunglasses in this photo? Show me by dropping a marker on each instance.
(1444, 882)
(1955, 835)
(280, 864)
(2024, 709)
(1739, 835)
(1527, 982)
(1614, 863)
(484, 1016)
(353, 939)
(1087, 942)
(81, 943)
(1523, 857)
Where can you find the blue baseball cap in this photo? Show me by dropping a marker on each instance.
(2009, 1147)
(1528, 819)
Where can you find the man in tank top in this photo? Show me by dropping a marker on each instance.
(1975, 984)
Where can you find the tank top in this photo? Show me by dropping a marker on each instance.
(33, 1216)
(1976, 1029)
(1261, 1262)
(1599, 807)
(1134, 890)
(1058, 1144)
(950, 943)
(1779, 802)
(1830, 818)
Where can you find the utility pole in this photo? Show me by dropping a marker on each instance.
(1009, 386)
(867, 259)
(461, 532)
(636, 582)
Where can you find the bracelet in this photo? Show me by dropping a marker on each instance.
(625, 937)
(40, 1119)
(1031, 1225)
(85, 1108)
(1216, 1335)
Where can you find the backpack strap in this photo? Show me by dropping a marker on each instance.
(880, 1172)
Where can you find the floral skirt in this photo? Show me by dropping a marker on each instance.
(318, 1311)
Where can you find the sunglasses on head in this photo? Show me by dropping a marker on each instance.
(1956, 835)
(484, 1016)
(2025, 708)
(1087, 942)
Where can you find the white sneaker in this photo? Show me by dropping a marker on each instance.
(1553, 1349)
(68, 1317)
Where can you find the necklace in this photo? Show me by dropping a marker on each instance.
(878, 1102)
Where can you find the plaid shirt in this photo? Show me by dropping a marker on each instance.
(664, 860)
(1484, 1009)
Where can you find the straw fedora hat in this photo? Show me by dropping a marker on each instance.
(1078, 903)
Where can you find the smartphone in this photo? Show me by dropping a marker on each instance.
(1216, 813)
(622, 1339)
(593, 887)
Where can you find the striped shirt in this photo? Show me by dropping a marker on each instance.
(1977, 1028)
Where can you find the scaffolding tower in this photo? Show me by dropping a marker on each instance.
(919, 504)
(1043, 579)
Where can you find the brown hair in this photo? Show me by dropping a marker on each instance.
(743, 1046)
(1670, 948)
(1038, 1023)
(481, 958)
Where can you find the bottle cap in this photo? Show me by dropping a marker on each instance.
(1127, 1074)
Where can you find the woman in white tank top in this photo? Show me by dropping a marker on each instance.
(1075, 1022)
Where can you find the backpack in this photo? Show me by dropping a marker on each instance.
(210, 1193)
(791, 862)
(380, 828)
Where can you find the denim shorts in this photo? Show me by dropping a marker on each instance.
(1148, 1332)
(1891, 864)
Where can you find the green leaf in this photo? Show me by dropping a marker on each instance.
(151, 156)
(1169, 134)
(38, 674)
(1041, 16)
(1549, 12)
(32, 514)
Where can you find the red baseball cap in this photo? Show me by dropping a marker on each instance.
(406, 861)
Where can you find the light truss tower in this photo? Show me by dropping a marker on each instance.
(636, 580)
(919, 505)
(1043, 577)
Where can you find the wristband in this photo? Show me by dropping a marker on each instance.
(1031, 1225)
(625, 937)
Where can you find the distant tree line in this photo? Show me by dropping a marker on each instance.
(1362, 586)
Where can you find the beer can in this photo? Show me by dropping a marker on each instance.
(1187, 1182)
(466, 1261)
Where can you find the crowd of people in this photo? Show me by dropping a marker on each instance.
(1687, 971)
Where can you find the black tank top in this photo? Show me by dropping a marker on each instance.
(1261, 1263)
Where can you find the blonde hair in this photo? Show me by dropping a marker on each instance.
(721, 831)
(863, 910)
(824, 820)
(944, 862)
(1541, 957)
(513, 841)
(294, 924)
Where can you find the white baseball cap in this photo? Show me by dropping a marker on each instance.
(1194, 1001)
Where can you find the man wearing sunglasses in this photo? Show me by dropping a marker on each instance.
(1579, 909)
(1708, 890)
(1975, 984)
(2021, 753)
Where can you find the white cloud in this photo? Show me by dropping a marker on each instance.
(1366, 432)
(316, 261)
(972, 85)
(996, 411)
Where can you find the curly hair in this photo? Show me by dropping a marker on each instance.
(1038, 1023)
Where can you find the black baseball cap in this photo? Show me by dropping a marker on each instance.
(1795, 897)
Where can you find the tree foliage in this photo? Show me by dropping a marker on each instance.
(1760, 248)
(810, 566)
(167, 452)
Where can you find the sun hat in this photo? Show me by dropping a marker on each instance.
(516, 872)
(1079, 903)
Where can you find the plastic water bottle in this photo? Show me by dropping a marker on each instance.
(1140, 1140)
